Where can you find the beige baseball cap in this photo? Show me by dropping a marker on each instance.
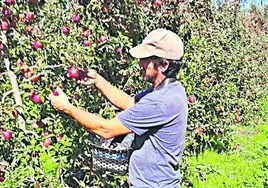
(161, 43)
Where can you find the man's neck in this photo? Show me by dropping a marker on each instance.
(159, 80)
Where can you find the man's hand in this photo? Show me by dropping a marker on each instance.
(89, 79)
(60, 100)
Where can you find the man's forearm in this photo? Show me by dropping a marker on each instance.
(116, 96)
(89, 121)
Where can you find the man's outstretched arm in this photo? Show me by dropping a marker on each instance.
(91, 122)
(116, 96)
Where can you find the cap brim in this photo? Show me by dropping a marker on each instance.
(140, 52)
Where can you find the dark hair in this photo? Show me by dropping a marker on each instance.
(173, 68)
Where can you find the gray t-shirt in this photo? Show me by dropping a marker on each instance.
(159, 121)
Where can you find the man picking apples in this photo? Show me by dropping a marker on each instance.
(157, 116)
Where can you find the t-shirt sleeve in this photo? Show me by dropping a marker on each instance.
(143, 116)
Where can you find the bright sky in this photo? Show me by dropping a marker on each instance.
(258, 2)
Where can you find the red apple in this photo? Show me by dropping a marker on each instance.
(86, 33)
(46, 134)
(4, 25)
(119, 19)
(29, 75)
(10, 2)
(158, 3)
(47, 142)
(28, 72)
(73, 73)
(36, 98)
(3, 168)
(24, 69)
(237, 119)
(29, 16)
(145, 9)
(26, 75)
(19, 63)
(13, 22)
(103, 38)
(61, 136)
(182, 21)
(65, 30)
(1, 50)
(191, 99)
(86, 43)
(120, 51)
(15, 113)
(6, 12)
(35, 78)
(105, 9)
(75, 96)
(6, 135)
(199, 131)
(76, 18)
(37, 44)
(33, 1)
(2, 178)
(261, 75)
(55, 93)
(34, 125)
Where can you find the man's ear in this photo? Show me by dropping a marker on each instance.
(164, 67)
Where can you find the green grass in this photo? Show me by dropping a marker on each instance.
(245, 166)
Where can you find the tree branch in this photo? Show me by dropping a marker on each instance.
(6, 94)
(13, 81)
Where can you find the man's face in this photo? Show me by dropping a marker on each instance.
(149, 72)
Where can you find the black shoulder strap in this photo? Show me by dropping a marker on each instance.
(142, 94)
(165, 83)
(150, 89)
